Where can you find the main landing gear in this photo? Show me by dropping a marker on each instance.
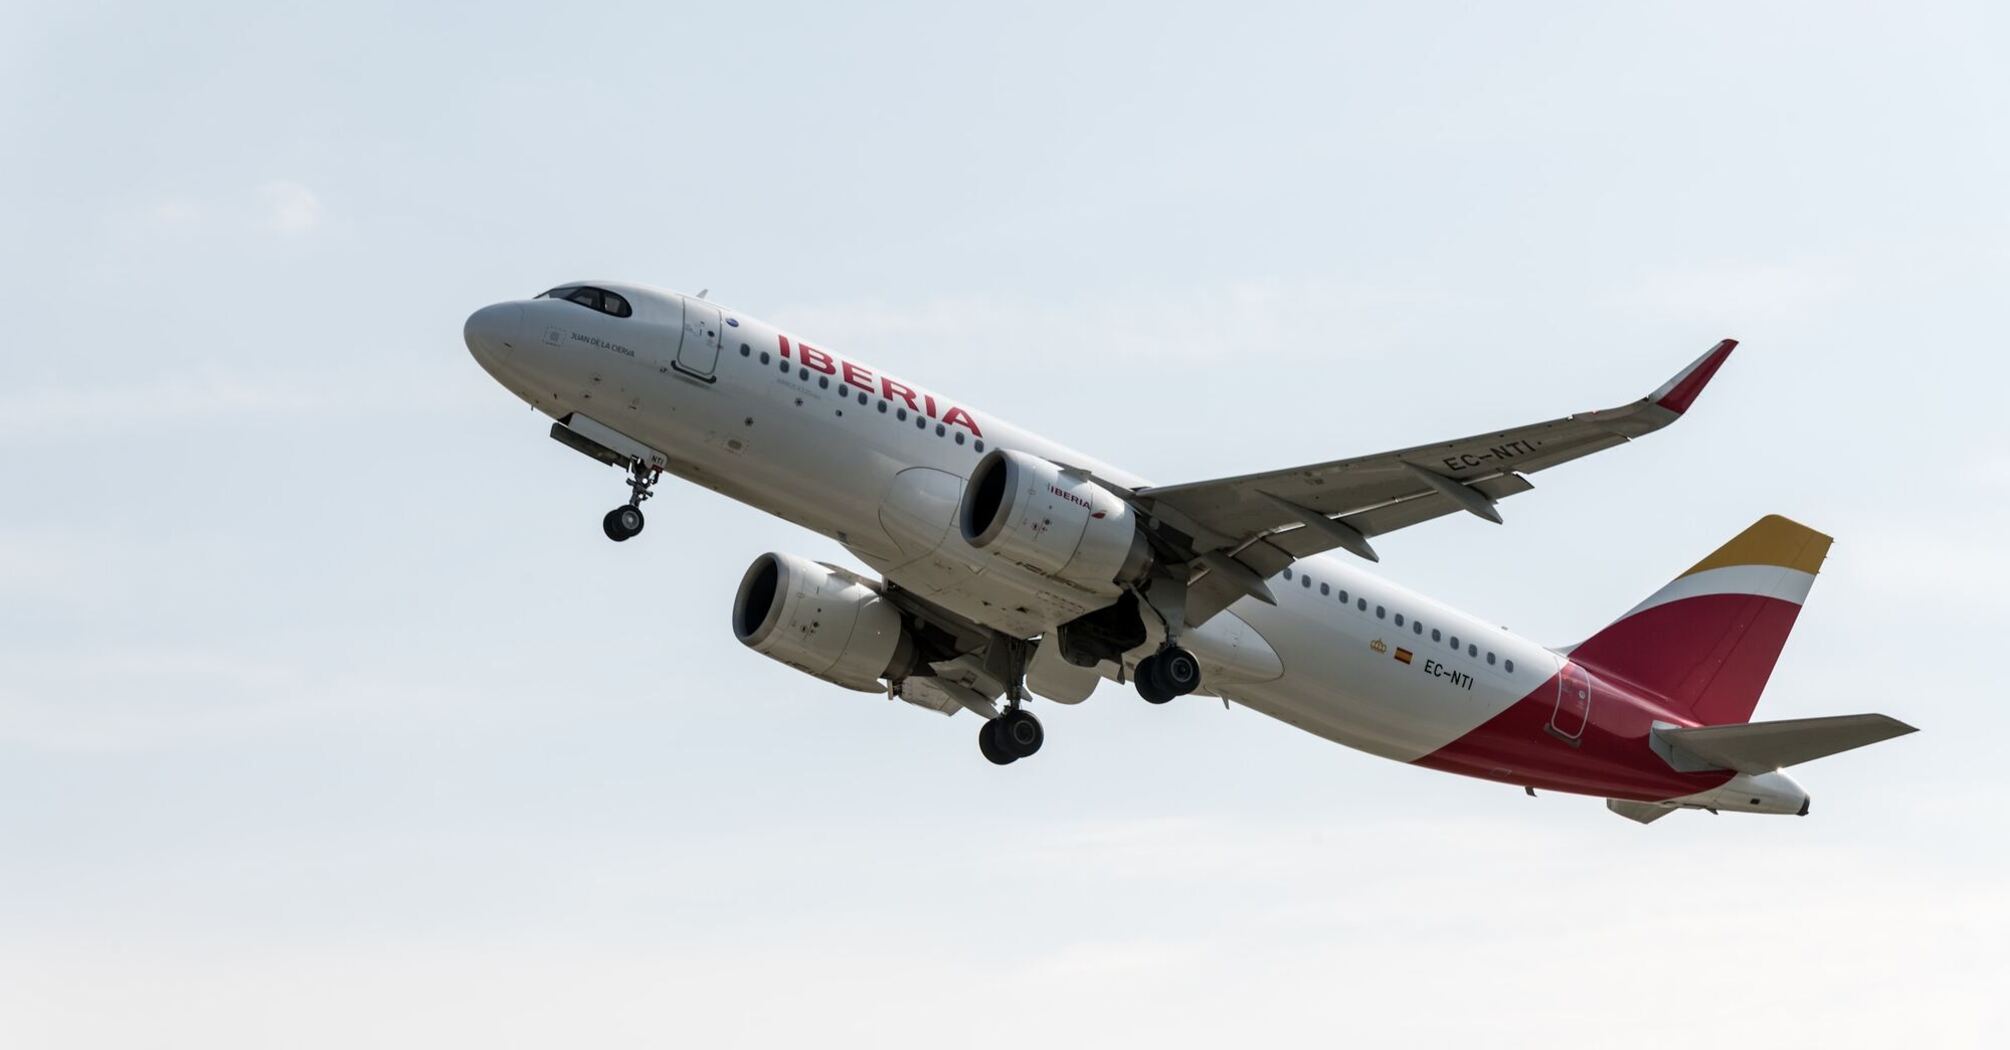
(625, 521)
(1169, 673)
(1014, 735)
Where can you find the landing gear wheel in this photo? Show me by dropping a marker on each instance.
(1170, 673)
(1178, 671)
(622, 523)
(1150, 686)
(1019, 733)
(988, 742)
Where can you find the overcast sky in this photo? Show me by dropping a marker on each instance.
(328, 718)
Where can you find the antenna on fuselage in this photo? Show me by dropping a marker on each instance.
(703, 292)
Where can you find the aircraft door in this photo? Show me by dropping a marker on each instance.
(1573, 704)
(698, 352)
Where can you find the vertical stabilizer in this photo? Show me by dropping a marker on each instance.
(1706, 643)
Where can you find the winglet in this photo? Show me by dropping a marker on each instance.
(1677, 394)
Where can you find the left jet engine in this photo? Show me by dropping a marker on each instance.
(823, 621)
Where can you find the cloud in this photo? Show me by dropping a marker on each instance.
(1310, 317)
(207, 395)
(173, 399)
(1744, 289)
(290, 209)
(279, 208)
(141, 698)
(1280, 933)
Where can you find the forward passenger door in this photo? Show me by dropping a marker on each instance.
(698, 351)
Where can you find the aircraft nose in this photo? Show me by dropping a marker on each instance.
(492, 331)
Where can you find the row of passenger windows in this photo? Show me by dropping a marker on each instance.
(592, 298)
(1416, 626)
(844, 390)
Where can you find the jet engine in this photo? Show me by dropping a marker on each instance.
(823, 621)
(1059, 523)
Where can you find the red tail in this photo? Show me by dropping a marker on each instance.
(1706, 643)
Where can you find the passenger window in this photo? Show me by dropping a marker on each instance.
(1361, 604)
(882, 408)
(746, 351)
(959, 437)
(900, 414)
(1306, 581)
(1472, 650)
(1509, 664)
(1324, 590)
(1490, 658)
(1435, 636)
(1343, 597)
(764, 357)
(843, 390)
(921, 422)
(823, 382)
(1399, 619)
(803, 374)
(939, 430)
(1416, 627)
(1381, 613)
(1455, 641)
(980, 446)
(862, 399)
(1287, 574)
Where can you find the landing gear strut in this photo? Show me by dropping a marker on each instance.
(1171, 672)
(625, 521)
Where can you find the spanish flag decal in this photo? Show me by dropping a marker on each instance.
(1402, 655)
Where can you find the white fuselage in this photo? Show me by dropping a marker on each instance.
(884, 480)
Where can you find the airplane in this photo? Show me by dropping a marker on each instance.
(1006, 567)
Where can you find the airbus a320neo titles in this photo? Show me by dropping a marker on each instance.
(1009, 567)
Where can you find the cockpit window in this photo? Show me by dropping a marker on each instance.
(593, 298)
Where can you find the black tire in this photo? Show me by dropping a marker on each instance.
(1178, 671)
(1020, 734)
(987, 742)
(622, 523)
(1150, 686)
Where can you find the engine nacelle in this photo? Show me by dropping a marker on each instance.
(822, 621)
(1060, 524)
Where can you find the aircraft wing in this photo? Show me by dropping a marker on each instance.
(1244, 529)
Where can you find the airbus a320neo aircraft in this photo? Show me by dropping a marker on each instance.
(1008, 565)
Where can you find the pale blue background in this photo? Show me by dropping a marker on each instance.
(329, 719)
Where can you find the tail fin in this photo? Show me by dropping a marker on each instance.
(1706, 643)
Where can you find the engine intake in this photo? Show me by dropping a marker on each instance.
(1058, 523)
(823, 621)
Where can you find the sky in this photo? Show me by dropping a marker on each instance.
(329, 718)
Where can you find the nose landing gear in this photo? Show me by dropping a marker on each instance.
(623, 522)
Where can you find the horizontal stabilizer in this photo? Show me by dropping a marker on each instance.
(1644, 812)
(1761, 747)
